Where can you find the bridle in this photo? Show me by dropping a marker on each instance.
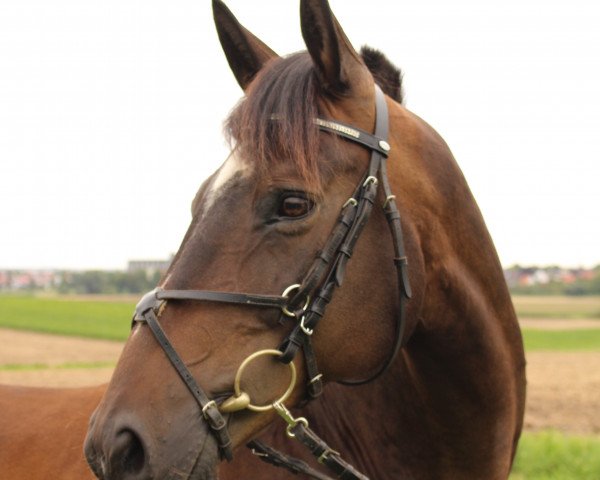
(306, 302)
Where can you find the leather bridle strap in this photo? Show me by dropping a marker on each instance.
(251, 300)
(319, 284)
(325, 454)
(320, 450)
(328, 270)
(146, 312)
(375, 143)
(278, 459)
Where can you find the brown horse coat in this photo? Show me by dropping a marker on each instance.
(451, 405)
(42, 432)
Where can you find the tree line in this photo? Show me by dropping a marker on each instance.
(107, 282)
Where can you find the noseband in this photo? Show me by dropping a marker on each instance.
(307, 304)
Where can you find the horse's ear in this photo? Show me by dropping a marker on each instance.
(245, 53)
(338, 65)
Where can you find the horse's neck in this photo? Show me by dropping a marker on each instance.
(456, 391)
(361, 423)
(378, 426)
(464, 361)
(455, 270)
(450, 405)
(465, 366)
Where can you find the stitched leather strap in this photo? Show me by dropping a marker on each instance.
(146, 313)
(325, 454)
(326, 274)
(372, 142)
(224, 297)
(329, 268)
(278, 459)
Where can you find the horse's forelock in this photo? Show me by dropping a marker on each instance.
(274, 122)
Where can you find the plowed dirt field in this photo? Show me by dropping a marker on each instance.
(563, 387)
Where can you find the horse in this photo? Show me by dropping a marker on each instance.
(304, 286)
(42, 431)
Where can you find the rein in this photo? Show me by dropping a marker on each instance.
(307, 305)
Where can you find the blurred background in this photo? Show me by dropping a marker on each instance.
(111, 114)
(111, 117)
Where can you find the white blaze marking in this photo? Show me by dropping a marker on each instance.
(230, 168)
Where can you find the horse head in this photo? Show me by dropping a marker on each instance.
(293, 271)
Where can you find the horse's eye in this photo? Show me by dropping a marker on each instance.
(294, 206)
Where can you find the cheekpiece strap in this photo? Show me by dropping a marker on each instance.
(325, 275)
(146, 312)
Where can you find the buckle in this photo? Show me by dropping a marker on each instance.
(286, 294)
(149, 301)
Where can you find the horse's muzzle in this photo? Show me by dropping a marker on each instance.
(117, 453)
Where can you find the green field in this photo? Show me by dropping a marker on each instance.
(564, 308)
(109, 319)
(84, 318)
(556, 307)
(562, 340)
(62, 366)
(555, 456)
(541, 456)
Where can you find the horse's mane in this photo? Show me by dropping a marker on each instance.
(273, 128)
(385, 73)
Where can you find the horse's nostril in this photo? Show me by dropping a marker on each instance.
(128, 453)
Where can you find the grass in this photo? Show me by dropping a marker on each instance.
(562, 340)
(555, 456)
(62, 366)
(557, 307)
(541, 455)
(90, 318)
(109, 318)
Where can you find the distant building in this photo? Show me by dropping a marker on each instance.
(149, 266)
(12, 280)
(518, 276)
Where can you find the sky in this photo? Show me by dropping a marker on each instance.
(111, 117)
